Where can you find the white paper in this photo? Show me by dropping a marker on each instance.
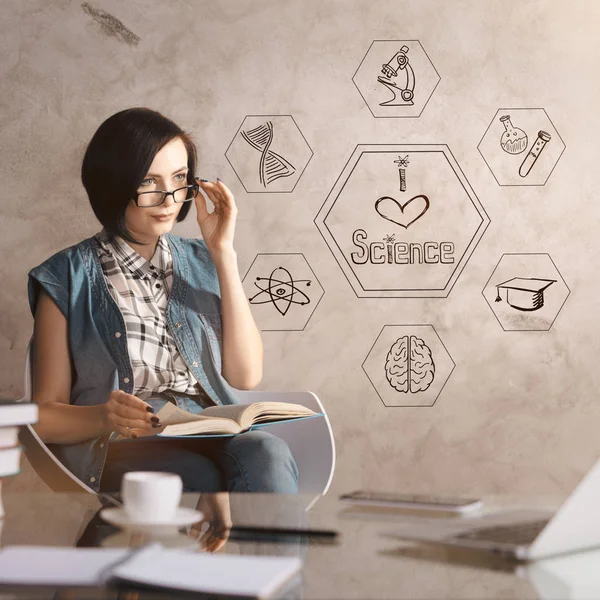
(257, 576)
(47, 565)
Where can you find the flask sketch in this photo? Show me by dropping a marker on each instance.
(542, 139)
(513, 140)
(391, 69)
(271, 165)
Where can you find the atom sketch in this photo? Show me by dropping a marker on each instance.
(280, 290)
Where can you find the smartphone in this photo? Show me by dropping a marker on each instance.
(423, 502)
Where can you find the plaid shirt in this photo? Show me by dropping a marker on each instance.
(141, 290)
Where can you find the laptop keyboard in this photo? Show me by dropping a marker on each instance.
(518, 535)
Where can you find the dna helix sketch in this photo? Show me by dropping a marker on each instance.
(271, 166)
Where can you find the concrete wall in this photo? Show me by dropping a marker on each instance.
(519, 410)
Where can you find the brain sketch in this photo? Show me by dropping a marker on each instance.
(409, 366)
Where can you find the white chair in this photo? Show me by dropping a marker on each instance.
(310, 440)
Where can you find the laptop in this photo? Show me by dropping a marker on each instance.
(575, 526)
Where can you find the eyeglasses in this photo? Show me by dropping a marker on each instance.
(157, 197)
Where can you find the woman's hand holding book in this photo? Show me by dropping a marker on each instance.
(129, 416)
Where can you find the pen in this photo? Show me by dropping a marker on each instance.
(323, 533)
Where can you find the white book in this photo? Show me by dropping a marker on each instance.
(45, 565)
(153, 565)
(14, 413)
(9, 437)
(10, 461)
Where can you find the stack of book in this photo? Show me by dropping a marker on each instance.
(13, 415)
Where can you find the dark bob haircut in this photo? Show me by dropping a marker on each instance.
(117, 159)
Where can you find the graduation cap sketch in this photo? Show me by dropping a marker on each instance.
(524, 293)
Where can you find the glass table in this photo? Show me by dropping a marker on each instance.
(367, 559)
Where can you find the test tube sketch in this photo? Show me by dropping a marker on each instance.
(402, 94)
(542, 139)
(271, 166)
(530, 146)
(268, 153)
(280, 289)
(402, 163)
(409, 365)
(514, 140)
(524, 293)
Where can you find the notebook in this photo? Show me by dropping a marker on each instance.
(153, 565)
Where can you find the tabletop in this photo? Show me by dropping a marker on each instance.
(368, 558)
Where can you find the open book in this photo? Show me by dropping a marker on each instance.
(228, 419)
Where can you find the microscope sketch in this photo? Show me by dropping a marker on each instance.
(409, 365)
(280, 289)
(396, 78)
(271, 166)
(402, 94)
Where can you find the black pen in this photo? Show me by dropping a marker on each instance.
(266, 530)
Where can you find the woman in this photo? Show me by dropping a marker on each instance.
(135, 317)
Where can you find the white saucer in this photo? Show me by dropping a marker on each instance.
(183, 517)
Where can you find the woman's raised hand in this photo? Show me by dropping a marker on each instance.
(217, 227)
(129, 416)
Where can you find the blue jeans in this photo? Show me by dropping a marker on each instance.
(253, 461)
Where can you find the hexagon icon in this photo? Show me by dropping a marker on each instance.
(402, 221)
(268, 153)
(521, 146)
(526, 292)
(283, 291)
(408, 365)
(396, 78)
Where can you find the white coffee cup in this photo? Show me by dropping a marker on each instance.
(151, 496)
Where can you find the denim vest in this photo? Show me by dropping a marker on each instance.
(97, 338)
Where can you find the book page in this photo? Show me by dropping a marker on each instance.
(170, 414)
(203, 425)
(258, 412)
(228, 411)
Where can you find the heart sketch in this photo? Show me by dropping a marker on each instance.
(402, 214)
